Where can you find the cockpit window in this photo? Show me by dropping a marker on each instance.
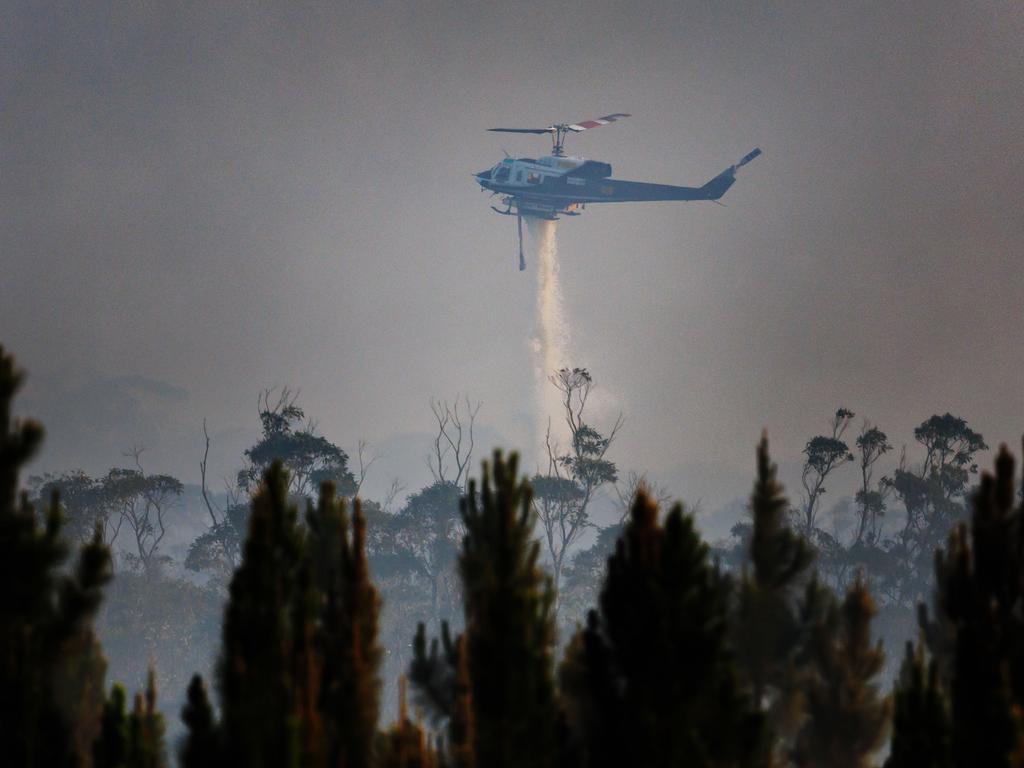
(501, 174)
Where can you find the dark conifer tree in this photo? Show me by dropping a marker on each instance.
(349, 684)
(299, 678)
(111, 747)
(655, 680)
(202, 747)
(510, 631)
(920, 723)
(432, 673)
(846, 716)
(256, 680)
(768, 626)
(461, 732)
(131, 740)
(405, 744)
(977, 636)
(51, 668)
(146, 748)
(494, 685)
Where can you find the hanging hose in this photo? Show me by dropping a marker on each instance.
(519, 226)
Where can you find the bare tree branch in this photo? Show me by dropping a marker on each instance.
(202, 475)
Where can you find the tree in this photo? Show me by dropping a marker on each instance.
(51, 667)
(824, 454)
(509, 708)
(769, 627)
(562, 497)
(872, 444)
(310, 459)
(202, 748)
(933, 494)
(454, 441)
(653, 680)
(347, 653)
(123, 499)
(920, 723)
(847, 718)
(298, 668)
(405, 745)
(83, 504)
(219, 549)
(977, 633)
(429, 528)
(257, 689)
(131, 739)
(141, 502)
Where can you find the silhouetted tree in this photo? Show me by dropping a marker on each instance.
(933, 496)
(405, 744)
(429, 529)
(847, 717)
(509, 635)
(823, 454)
(202, 748)
(920, 723)
(872, 444)
(653, 680)
(349, 656)
(298, 671)
(51, 668)
(769, 631)
(255, 670)
(977, 635)
(562, 497)
(310, 459)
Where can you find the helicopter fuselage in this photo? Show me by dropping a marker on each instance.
(554, 185)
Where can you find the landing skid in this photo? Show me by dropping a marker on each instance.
(530, 213)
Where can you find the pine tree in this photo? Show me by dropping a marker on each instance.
(131, 740)
(298, 672)
(111, 748)
(768, 627)
(847, 718)
(461, 731)
(920, 723)
(494, 685)
(655, 682)
(977, 636)
(405, 744)
(202, 747)
(256, 683)
(51, 667)
(510, 633)
(350, 683)
(146, 748)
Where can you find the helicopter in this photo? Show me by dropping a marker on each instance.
(559, 185)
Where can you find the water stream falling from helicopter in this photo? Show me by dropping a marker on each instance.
(543, 189)
(551, 342)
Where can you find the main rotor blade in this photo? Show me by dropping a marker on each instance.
(586, 125)
(522, 130)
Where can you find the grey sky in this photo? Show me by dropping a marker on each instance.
(201, 200)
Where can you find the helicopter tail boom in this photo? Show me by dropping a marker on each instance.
(719, 185)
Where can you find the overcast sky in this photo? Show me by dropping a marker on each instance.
(199, 200)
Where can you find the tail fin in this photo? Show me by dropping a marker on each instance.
(719, 185)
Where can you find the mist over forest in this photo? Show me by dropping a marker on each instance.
(297, 467)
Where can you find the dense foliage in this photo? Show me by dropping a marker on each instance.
(764, 653)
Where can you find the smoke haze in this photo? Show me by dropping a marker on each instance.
(220, 198)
